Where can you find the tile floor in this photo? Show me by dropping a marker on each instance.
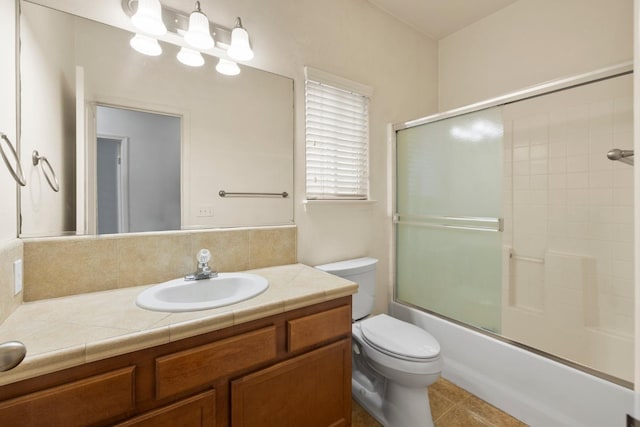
(451, 406)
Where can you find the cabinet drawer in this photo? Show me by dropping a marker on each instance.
(196, 411)
(91, 401)
(202, 365)
(316, 328)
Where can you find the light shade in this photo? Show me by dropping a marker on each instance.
(148, 18)
(190, 57)
(146, 45)
(228, 68)
(240, 48)
(198, 34)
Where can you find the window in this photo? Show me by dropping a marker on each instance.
(337, 135)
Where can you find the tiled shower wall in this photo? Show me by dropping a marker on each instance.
(569, 216)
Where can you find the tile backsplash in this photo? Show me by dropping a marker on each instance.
(56, 267)
(9, 252)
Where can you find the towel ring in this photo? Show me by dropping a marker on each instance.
(17, 172)
(37, 158)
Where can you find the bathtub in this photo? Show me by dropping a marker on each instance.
(537, 390)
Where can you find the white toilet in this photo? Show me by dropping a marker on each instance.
(393, 361)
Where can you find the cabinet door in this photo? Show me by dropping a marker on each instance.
(196, 411)
(310, 390)
(97, 400)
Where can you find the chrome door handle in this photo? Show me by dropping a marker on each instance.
(11, 354)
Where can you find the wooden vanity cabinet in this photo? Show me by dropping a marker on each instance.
(291, 369)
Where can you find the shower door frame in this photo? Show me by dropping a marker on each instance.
(516, 96)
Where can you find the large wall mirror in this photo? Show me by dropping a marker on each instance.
(141, 143)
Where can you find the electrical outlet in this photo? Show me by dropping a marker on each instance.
(17, 276)
(205, 211)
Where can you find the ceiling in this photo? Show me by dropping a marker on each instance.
(439, 18)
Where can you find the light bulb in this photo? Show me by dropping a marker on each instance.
(228, 68)
(240, 48)
(190, 57)
(148, 18)
(198, 34)
(145, 45)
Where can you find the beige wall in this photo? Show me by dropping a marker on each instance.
(530, 42)
(357, 41)
(351, 39)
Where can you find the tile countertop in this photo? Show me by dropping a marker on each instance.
(63, 332)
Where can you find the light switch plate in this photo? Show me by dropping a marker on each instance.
(17, 276)
(205, 211)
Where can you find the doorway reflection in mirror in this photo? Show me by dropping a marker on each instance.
(137, 170)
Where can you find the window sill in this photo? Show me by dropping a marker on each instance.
(311, 202)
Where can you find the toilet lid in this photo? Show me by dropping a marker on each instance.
(399, 339)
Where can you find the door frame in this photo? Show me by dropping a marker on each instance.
(122, 182)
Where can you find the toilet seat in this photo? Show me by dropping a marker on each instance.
(399, 339)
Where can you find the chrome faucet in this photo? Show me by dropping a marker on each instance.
(203, 271)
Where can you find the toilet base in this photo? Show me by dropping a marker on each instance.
(369, 400)
(393, 405)
(406, 407)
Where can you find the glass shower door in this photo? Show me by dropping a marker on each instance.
(448, 217)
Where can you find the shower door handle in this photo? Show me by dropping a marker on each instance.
(458, 223)
(11, 354)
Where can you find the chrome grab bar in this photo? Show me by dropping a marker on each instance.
(37, 158)
(526, 258)
(17, 172)
(12, 353)
(223, 193)
(456, 223)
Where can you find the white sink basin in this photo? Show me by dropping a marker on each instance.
(191, 295)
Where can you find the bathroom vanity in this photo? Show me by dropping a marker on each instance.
(291, 368)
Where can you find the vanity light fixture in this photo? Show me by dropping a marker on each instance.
(146, 45)
(227, 67)
(190, 57)
(240, 48)
(198, 35)
(192, 33)
(148, 18)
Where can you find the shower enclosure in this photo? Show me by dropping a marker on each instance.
(516, 217)
(448, 217)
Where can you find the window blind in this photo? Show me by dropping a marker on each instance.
(337, 142)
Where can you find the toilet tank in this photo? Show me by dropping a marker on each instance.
(363, 272)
